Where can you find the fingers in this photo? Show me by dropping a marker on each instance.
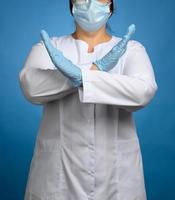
(46, 39)
(131, 30)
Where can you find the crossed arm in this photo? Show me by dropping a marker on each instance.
(131, 90)
(42, 82)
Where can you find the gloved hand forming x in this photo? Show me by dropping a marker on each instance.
(63, 64)
(72, 71)
(108, 61)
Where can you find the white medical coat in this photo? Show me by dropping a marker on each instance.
(87, 146)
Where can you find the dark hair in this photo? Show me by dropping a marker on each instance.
(111, 6)
(111, 9)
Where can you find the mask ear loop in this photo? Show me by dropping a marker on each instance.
(109, 3)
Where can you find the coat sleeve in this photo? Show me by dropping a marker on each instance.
(131, 90)
(40, 80)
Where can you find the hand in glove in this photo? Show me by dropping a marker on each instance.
(63, 64)
(108, 61)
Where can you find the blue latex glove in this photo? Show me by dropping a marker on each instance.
(108, 61)
(63, 64)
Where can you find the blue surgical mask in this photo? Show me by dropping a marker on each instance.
(91, 15)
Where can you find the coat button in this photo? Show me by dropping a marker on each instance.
(91, 172)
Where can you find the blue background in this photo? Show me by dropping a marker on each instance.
(20, 25)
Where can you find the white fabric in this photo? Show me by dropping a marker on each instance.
(87, 146)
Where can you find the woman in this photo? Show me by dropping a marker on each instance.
(89, 83)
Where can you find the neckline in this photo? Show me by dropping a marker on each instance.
(79, 41)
